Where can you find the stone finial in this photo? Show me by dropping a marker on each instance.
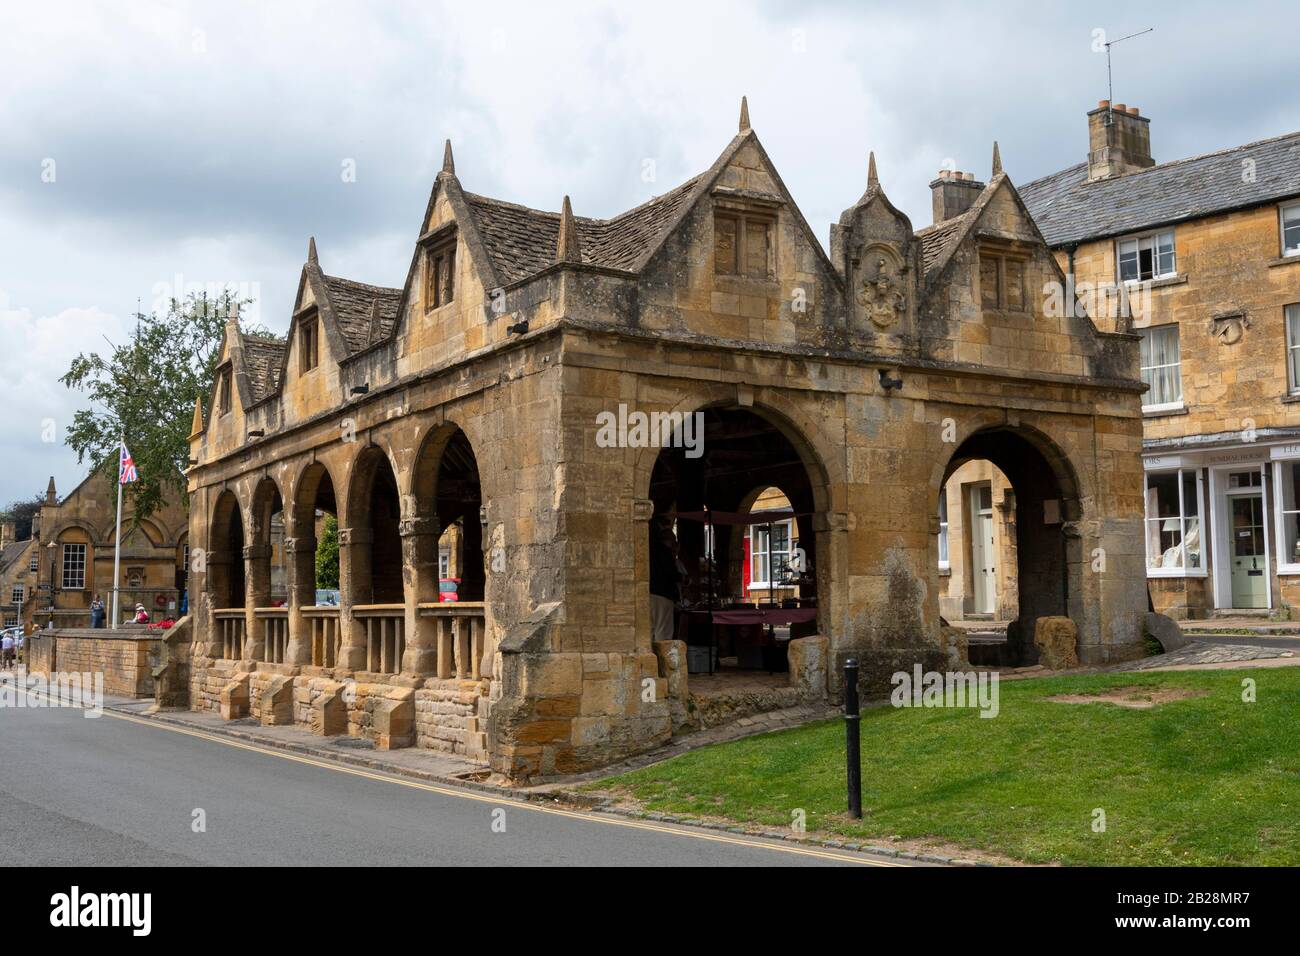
(744, 114)
(448, 161)
(51, 495)
(311, 251)
(376, 330)
(997, 159)
(196, 423)
(567, 247)
(872, 178)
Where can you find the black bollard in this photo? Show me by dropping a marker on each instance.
(852, 738)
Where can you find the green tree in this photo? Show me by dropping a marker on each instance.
(145, 390)
(327, 555)
(21, 513)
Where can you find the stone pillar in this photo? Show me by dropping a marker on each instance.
(420, 586)
(257, 593)
(355, 587)
(300, 577)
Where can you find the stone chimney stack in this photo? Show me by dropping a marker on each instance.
(1119, 141)
(8, 533)
(953, 193)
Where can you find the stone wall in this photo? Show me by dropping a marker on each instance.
(126, 658)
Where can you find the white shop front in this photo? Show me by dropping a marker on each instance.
(1226, 521)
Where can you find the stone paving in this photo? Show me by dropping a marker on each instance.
(1213, 655)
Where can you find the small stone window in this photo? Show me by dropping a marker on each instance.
(308, 345)
(223, 391)
(1002, 282)
(440, 274)
(744, 243)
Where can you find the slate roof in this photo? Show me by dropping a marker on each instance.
(352, 303)
(1070, 209)
(12, 551)
(522, 241)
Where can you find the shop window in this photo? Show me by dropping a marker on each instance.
(1161, 363)
(1288, 509)
(1147, 257)
(1173, 522)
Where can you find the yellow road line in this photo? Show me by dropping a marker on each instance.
(609, 819)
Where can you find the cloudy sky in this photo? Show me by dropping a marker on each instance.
(194, 145)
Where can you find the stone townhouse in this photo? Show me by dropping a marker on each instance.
(17, 577)
(737, 355)
(73, 548)
(1207, 252)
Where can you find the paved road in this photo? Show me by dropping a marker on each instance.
(84, 792)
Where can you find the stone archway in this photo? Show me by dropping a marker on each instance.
(1047, 508)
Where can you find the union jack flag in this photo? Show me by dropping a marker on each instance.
(126, 472)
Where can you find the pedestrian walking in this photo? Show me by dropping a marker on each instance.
(97, 613)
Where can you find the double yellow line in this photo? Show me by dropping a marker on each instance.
(607, 819)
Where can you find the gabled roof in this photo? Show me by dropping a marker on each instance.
(937, 239)
(353, 301)
(263, 360)
(521, 241)
(13, 551)
(1069, 209)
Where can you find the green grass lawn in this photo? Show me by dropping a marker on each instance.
(1203, 780)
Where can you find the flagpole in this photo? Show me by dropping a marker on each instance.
(117, 551)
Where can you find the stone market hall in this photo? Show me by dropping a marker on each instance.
(465, 407)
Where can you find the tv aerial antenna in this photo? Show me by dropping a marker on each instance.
(1110, 86)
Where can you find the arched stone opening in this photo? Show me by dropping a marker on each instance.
(371, 567)
(710, 491)
(444, 561)
(313, 582)
(1043, 518)
(225, 557)
(264, 554)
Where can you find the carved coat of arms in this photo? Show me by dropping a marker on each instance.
(881, 294)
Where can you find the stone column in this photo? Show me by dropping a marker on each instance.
(420, 586)
(355, 587)
(210, 596)
(257, 593)
(300, 577)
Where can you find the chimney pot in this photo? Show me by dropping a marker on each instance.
(1132, 111)
(1103, 104)
(1121, 108)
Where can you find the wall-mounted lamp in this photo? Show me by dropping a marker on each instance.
(360, 389)
(888, 383)
(519, 328)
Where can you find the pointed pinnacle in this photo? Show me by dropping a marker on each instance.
(997, 159)
(311, 251)
(376, 330)
(744, 113)
(567, 248)
(448, 163)
(872, 178)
